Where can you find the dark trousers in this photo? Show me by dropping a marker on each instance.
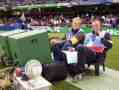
(85, 56)
(59, 57)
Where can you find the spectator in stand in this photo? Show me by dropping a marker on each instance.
(34, 22)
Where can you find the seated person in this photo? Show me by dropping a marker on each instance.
(97, 43)
(74, 41)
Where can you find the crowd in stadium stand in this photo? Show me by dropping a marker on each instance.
(52, 20)
(48, 20)
(108, 20)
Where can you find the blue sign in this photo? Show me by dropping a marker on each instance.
(93, 2)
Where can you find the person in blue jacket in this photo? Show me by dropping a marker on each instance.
(74, 42)
(97, 42)
(74, 39)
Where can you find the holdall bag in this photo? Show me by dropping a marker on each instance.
(54, 72)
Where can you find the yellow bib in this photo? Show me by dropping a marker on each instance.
(74, 40)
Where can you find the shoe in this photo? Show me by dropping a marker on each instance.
(78, 77)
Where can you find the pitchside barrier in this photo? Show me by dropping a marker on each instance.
(113, 31)
(86, 29)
